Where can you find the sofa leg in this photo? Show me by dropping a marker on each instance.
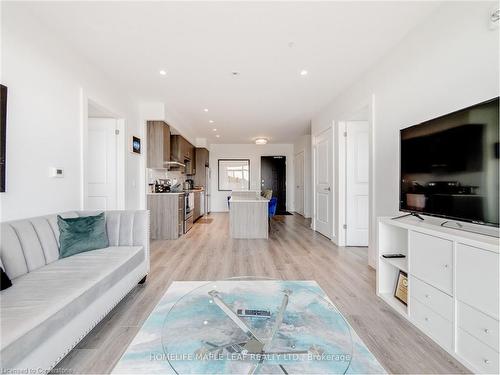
(143, 280)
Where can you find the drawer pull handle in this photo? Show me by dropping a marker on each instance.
(426, 319)
(427, 296)
(486, 330)
(487, 361)
(445, 266)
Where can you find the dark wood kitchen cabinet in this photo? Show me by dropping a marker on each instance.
(191, 155)
(166, 215)
(197, 205)
(201, 161)
(188, 150)
(183, 152)
(180, 148)
(158, 144)
(175, 149)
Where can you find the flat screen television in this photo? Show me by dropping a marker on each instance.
(450, 165)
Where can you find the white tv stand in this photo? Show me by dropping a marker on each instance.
(453, 286)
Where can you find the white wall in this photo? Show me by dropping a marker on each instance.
(447, 63)
(252, 152)
(46, 81)
(151, 111)
(303, 144)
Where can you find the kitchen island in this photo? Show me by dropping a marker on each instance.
(248, 215)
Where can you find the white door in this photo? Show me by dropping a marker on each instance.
(357, 180)
(102, 166)
(323, 155)
(299, 183)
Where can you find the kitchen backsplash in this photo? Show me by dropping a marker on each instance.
(154, 174)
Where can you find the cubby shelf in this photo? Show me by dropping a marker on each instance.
(400, 263)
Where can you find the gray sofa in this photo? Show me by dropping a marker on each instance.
(53, 303)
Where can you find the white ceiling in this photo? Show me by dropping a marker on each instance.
(268, 43)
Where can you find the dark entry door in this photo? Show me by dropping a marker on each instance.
(273, 177)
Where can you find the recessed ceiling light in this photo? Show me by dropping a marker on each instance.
(214, 130)
(217, 136)
(163, 72)
(303, 72)
(205, 110)
(261, 141)
(211, 121)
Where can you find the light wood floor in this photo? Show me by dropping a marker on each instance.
(293, 252)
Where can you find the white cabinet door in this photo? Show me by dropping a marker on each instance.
(433, 298)
(482, 357)
(479, 325)
(323, 154)
(433, 324)
(431, 260)
(477, 278)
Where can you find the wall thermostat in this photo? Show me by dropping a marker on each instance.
(57, 172)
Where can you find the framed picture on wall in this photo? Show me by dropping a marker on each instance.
(136, 145)
(234, 174)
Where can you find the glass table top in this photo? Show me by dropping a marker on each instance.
(253, 325)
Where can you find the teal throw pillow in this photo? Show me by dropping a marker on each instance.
(81, 234)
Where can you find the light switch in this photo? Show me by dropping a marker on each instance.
(56, 172)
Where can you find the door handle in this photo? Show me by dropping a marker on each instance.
(328, 188)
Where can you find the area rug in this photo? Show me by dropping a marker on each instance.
(147, 354)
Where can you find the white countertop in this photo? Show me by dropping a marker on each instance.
(179, 192)
(248, 200)
(432, 226)
(171, 193)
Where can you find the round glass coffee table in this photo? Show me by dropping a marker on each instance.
(254, 325)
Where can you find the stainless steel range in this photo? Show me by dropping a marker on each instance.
(188, 211)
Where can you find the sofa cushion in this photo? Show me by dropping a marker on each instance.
(77, 235)
(29, 244)
(43, 301)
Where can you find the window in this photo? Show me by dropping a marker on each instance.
(234, 174)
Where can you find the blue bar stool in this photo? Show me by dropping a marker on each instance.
(271, 209)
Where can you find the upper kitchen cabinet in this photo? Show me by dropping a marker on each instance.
(188, 150)
(191, 166)
(176, 153)
(179, 150)
(201, 157)
(158, 144)
(183, 152)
